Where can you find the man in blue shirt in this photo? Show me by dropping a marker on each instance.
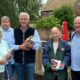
(75, 50)
(8, 35)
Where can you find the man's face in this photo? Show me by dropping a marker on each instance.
(24, 21)
(5, 24)
(77, 25)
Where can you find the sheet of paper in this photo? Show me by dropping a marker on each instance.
(58, 62)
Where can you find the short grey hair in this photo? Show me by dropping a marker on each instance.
(24, 13)
(5, 18)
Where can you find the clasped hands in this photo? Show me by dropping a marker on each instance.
(26, 45)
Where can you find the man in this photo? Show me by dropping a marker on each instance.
(56, 57)
(75, 50)
(25, 59)
(8, 35)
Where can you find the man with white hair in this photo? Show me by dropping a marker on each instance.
(25, 59)
(75, 50)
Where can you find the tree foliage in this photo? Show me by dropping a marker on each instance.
(65, 13)
(48, 22)
(12, 8)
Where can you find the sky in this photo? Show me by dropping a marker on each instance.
(44, 1)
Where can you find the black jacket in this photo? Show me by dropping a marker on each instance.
(21, 56)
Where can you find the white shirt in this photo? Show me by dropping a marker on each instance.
(3, 52)
(55, 46)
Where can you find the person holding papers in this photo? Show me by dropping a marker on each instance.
(56, 57)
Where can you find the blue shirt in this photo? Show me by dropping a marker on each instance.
(75, 53)
(8, 35)
(36, 39)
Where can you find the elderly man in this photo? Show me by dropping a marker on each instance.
(75, 50)
(56, 57)
(25, 59)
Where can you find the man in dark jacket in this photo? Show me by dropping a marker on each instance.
(56, 57)
(25, 58)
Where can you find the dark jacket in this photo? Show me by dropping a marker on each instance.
(63, 54)
(21, 56)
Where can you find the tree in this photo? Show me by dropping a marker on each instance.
(12, 8)
(7, 8)
(30, 6)
(65, 13)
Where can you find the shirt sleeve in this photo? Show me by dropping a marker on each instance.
(6, 46)
(12, 42)
(36, 39)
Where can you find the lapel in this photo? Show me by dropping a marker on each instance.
(60, 45)
(59, 53)
(51, 54)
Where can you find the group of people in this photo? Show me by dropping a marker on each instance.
(58, 55)
(17, 51)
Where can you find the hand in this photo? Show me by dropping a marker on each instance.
(3, 61)
(8, 56)
(23, 47)
(53, 67)
(28, 44)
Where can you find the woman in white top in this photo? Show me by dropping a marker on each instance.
(4, 56)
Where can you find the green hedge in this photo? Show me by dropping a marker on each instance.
(47, 22)
(65, 13)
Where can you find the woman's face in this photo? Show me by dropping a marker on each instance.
(55, 34)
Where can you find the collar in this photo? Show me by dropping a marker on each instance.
(9, 29)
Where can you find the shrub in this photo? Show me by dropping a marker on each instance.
(65, 13)
(48, 22)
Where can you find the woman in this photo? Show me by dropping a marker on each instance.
(4, 56)
(56, 57)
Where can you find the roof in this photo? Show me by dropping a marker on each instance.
(53, 4)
